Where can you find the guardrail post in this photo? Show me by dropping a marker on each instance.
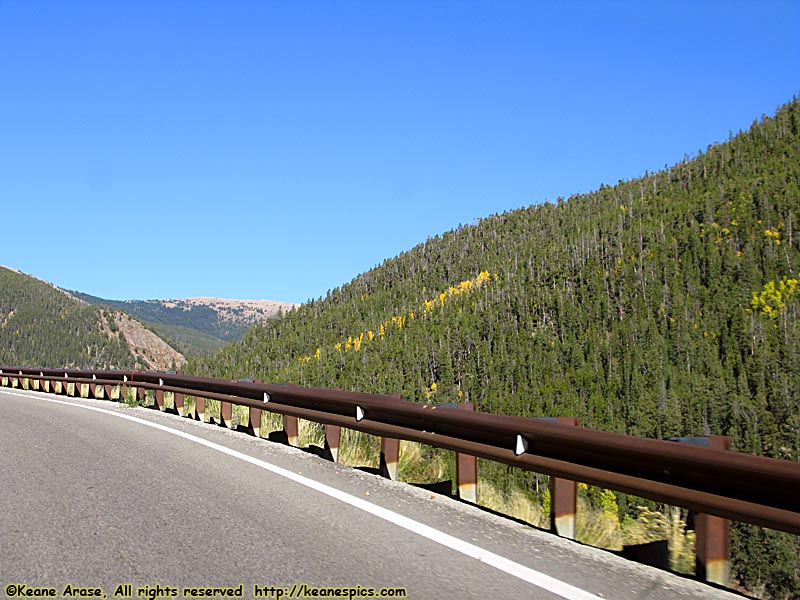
(563, 498)
(254, 417)
(390, 456)
(712, 534)
(159, 399)
(200, 408)
(712, 537)
(254, 420)
(291, 428)
(141, 393)
(226, 414)
(467, 469)
(178, 399)
(333, 435)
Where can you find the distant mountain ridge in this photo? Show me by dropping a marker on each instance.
(196, 326)
(41, 325)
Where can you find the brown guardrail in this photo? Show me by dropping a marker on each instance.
(754, 489)
(727, 485)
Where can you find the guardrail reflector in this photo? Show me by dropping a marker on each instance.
(522, 445)
(359, 413)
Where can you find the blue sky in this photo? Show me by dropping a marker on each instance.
(275, 150)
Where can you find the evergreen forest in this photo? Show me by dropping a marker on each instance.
(41, 326)
(667, 305)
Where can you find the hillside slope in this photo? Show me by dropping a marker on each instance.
(663, 306)
(40, 325)
(632, 307)
(197, 326)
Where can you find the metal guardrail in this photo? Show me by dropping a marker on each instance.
(753, 489)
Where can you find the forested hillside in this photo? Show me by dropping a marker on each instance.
(43, 326)
(663, 306)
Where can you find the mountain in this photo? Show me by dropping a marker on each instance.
(40, 325)
(662, 306)
(195, 326)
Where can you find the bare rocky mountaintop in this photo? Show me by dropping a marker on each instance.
(239, 312)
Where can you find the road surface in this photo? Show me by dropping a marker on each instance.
(94, 494)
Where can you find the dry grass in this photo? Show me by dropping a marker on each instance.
(212, 410)
(357, 449)
(652, 525)
(310, 433)
(597, 527)
(515, 504)
(419, 464)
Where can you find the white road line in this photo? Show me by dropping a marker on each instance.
(546, 582)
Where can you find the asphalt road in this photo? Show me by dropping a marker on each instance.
(93, 493)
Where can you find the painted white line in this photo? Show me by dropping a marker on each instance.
(546, 582)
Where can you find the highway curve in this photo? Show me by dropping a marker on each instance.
(97, 495)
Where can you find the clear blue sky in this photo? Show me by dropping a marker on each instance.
(275, 150)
